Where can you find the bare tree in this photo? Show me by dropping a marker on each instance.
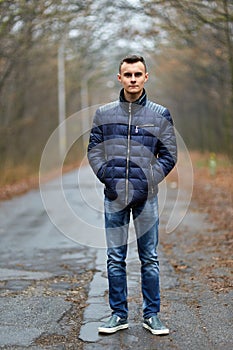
(202, 31)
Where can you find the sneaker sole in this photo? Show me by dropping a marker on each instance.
(113, 329)
(156, 331)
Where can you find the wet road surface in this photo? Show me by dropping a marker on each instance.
(44, 276)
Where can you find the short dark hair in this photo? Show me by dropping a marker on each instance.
(132, 59)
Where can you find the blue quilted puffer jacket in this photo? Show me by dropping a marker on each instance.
(132, 147)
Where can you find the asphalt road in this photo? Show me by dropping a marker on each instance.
(45, 273)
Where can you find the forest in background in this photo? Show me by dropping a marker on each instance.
(188, 46)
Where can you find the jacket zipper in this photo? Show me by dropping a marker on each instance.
(142, 126)
(152, 178)
(127, 159)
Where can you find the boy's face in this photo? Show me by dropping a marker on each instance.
(133, 77)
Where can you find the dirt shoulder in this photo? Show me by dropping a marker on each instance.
(214, 193)
(28, 183)
(214, 196)
(207, 244)
(18, 188)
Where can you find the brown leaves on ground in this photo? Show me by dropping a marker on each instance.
(21, 186)
(214, 196)
(211, 248)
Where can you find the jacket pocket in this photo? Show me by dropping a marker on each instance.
(137, 127)
(101, 172)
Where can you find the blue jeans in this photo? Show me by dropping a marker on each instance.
(146, 220)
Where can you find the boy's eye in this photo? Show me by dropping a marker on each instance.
(136, 75)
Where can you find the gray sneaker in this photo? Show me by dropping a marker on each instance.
(114, 324)
(155, 326)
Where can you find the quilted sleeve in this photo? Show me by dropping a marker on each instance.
(166, 156)
(96, 152)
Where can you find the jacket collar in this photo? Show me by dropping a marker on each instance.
(141, 101)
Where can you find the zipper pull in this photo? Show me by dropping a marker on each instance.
(136, 129)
